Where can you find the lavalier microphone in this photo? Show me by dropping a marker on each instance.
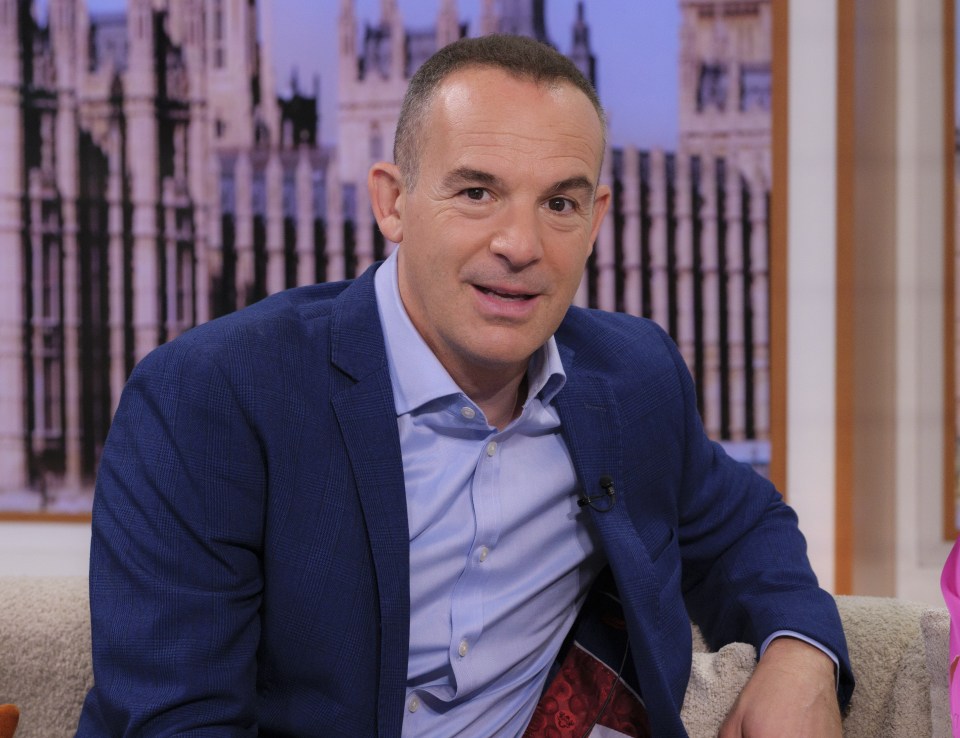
(608, 497)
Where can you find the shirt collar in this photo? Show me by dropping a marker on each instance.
(417, 375)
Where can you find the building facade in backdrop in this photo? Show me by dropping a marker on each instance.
(153, 179)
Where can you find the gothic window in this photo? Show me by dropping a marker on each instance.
(376, 143)
(712, 87)
(184, 287)
(289, 194)
(180, 152)
(48, 359)
(218, 20)
(227, 194)
(49, 304)
(46, 143)
(261, 134)
(755, 87)
(219, 55)
(319, 194)
(51, 391)
(384, 54)
(259, 194)
(349, 201)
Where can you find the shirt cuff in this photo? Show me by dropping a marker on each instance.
(805, 639)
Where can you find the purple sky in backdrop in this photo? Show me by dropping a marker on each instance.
(635, 42)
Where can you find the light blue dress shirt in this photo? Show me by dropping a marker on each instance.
(501, 556)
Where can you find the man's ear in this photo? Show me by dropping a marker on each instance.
(385, 184)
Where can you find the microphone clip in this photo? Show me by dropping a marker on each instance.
(606, 500)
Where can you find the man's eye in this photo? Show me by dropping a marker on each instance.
(561, 204)
(475, 193)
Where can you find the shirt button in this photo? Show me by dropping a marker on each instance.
(483, 553)
(463, 648)
(414, 704)
(468, 412)
(491, 448)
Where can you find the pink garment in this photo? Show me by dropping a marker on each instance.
(950, 586)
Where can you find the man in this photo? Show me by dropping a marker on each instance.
(377, 508)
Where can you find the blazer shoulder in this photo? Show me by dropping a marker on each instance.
(260, 322)
(256, 346)
(604, 341)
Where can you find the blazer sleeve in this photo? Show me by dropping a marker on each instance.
(746, 573)
(175, 573)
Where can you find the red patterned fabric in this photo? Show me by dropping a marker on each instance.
(570, 705)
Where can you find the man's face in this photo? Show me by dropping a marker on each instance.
(495, 233)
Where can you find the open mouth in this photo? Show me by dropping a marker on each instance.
(517, 297)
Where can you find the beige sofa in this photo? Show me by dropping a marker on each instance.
(899, 652)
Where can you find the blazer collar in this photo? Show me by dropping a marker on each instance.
(590, 424)
(356, 335)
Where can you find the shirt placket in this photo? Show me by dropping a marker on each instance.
(467, 616)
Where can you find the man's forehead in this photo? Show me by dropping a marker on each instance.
(485, 93)
(468, 80)
(487, 119)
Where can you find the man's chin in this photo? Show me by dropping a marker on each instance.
(499, 355)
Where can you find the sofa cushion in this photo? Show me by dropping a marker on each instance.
(45, 638)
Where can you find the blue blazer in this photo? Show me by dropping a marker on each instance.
(249, 564)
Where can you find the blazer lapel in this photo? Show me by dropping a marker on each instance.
(590, 424)
(367, 417)
(592, 430)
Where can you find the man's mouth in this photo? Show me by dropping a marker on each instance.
(517, 296)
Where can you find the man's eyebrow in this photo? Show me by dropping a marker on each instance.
(572, 183)
(467, 176)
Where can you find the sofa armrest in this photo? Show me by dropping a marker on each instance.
(935, 624)
(715, 682)
(895, 648)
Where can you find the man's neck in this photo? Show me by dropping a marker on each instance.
(501, 402)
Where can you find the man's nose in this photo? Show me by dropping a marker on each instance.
(518, 239)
